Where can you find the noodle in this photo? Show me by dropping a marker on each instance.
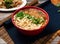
(28, 23)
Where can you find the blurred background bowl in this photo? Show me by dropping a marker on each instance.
(24, 2)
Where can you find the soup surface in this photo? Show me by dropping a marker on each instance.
(10, 3)
(29, 19)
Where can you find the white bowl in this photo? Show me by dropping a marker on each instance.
(15, 8)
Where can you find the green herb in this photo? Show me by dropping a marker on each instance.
(20, 14)
(36, 21)
(8, 3)
(42, 19)
(59, 11)
(58, 5)
(29, 17)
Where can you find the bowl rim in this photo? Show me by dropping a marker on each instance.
(27, 7)
(24, 2)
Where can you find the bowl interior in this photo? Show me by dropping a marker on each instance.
(28, 7)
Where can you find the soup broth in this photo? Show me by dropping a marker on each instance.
(29, 19)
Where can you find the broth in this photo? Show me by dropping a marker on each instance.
(29, 19)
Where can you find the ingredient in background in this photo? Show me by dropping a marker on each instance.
(56, 3)
(10, 3)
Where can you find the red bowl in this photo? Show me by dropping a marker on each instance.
(31, 32)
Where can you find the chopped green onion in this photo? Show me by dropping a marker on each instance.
(20, 14)
(8, 3)
(58, 5)
(34, 20)
(59, 11)
(28, 16)
(42, 19)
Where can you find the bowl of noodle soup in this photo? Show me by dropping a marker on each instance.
(30, 20)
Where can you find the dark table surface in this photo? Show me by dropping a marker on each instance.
(54, 25)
